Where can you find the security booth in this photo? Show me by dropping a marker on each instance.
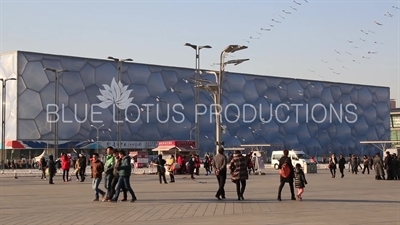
(183, 148)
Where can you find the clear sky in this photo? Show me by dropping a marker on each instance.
(154, 32)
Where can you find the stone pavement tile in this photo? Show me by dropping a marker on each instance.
(172, 211)
(182, 211)
(201, 210)
(210, 209)
(146, 216)
(237, 208)
(191, 211)
(228, 209)
(255, 207)
(135, 215)
(219, 209)
(247, 208)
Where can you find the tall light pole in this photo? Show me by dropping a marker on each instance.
(197, 49)
(119, 68)
(216, 89)
(190, 133)
(56, 102)
(3, 120)
(97, 136)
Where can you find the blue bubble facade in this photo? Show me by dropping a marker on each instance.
(315, 116)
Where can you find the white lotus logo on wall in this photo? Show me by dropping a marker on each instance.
(116, 94)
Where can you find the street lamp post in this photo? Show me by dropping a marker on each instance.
(97, 136)
(216, 89)
(197, 49)
(3, 120)
(119, 68)
(56, 100)
(190, 133)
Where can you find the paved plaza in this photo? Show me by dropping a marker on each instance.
(355, 199)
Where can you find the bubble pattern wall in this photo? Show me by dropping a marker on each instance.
(294, 113)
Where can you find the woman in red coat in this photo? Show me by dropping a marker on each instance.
(65, 165)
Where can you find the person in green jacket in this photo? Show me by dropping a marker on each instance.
(108, 170)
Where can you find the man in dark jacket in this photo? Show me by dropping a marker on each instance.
(388, 166)
(219, 164)
(52, 169)
(43, 166)
(82, 166)
(192, 165)
(124, 172)
(116, 178)
(285, 159)
(342, 164)
(393, 167)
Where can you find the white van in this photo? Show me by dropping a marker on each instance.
(297, 156)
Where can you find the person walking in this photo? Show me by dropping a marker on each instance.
(192, 165)
(388, 166)
(171, 168)
(97, 171)
(109, 171)
(43, 166)
(219, 164)
(354, 164)
(366, 164)
(299, 181)
(124, 172)
(238, 167)
(342, 165)
(160, 163)
(378, 167)
(82, 166)
(350, 161)
(207, 165)
(117, 164)
(333, 165)
(77, 170)
(65, 166)
(52, 168)
(286, 174)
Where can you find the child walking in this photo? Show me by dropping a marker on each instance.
(299, 181)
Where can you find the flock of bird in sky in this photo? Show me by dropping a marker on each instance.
(353, 54)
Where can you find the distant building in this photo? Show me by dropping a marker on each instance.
(316, 116)
(395, 125)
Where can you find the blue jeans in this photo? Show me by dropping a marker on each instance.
(95, 186)
(123, 182)
(107, 183)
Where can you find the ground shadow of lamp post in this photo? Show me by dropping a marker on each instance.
(3, 120)
(56, 100)
(216, 88)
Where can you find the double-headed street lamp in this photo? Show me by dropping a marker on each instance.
(3, 119)
(216, 89)
(56, 100)
(97, 136)
(197, 49)
(119, 68)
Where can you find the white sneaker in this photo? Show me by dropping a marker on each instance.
(44, 179)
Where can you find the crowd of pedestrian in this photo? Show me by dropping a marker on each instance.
(117, 169)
